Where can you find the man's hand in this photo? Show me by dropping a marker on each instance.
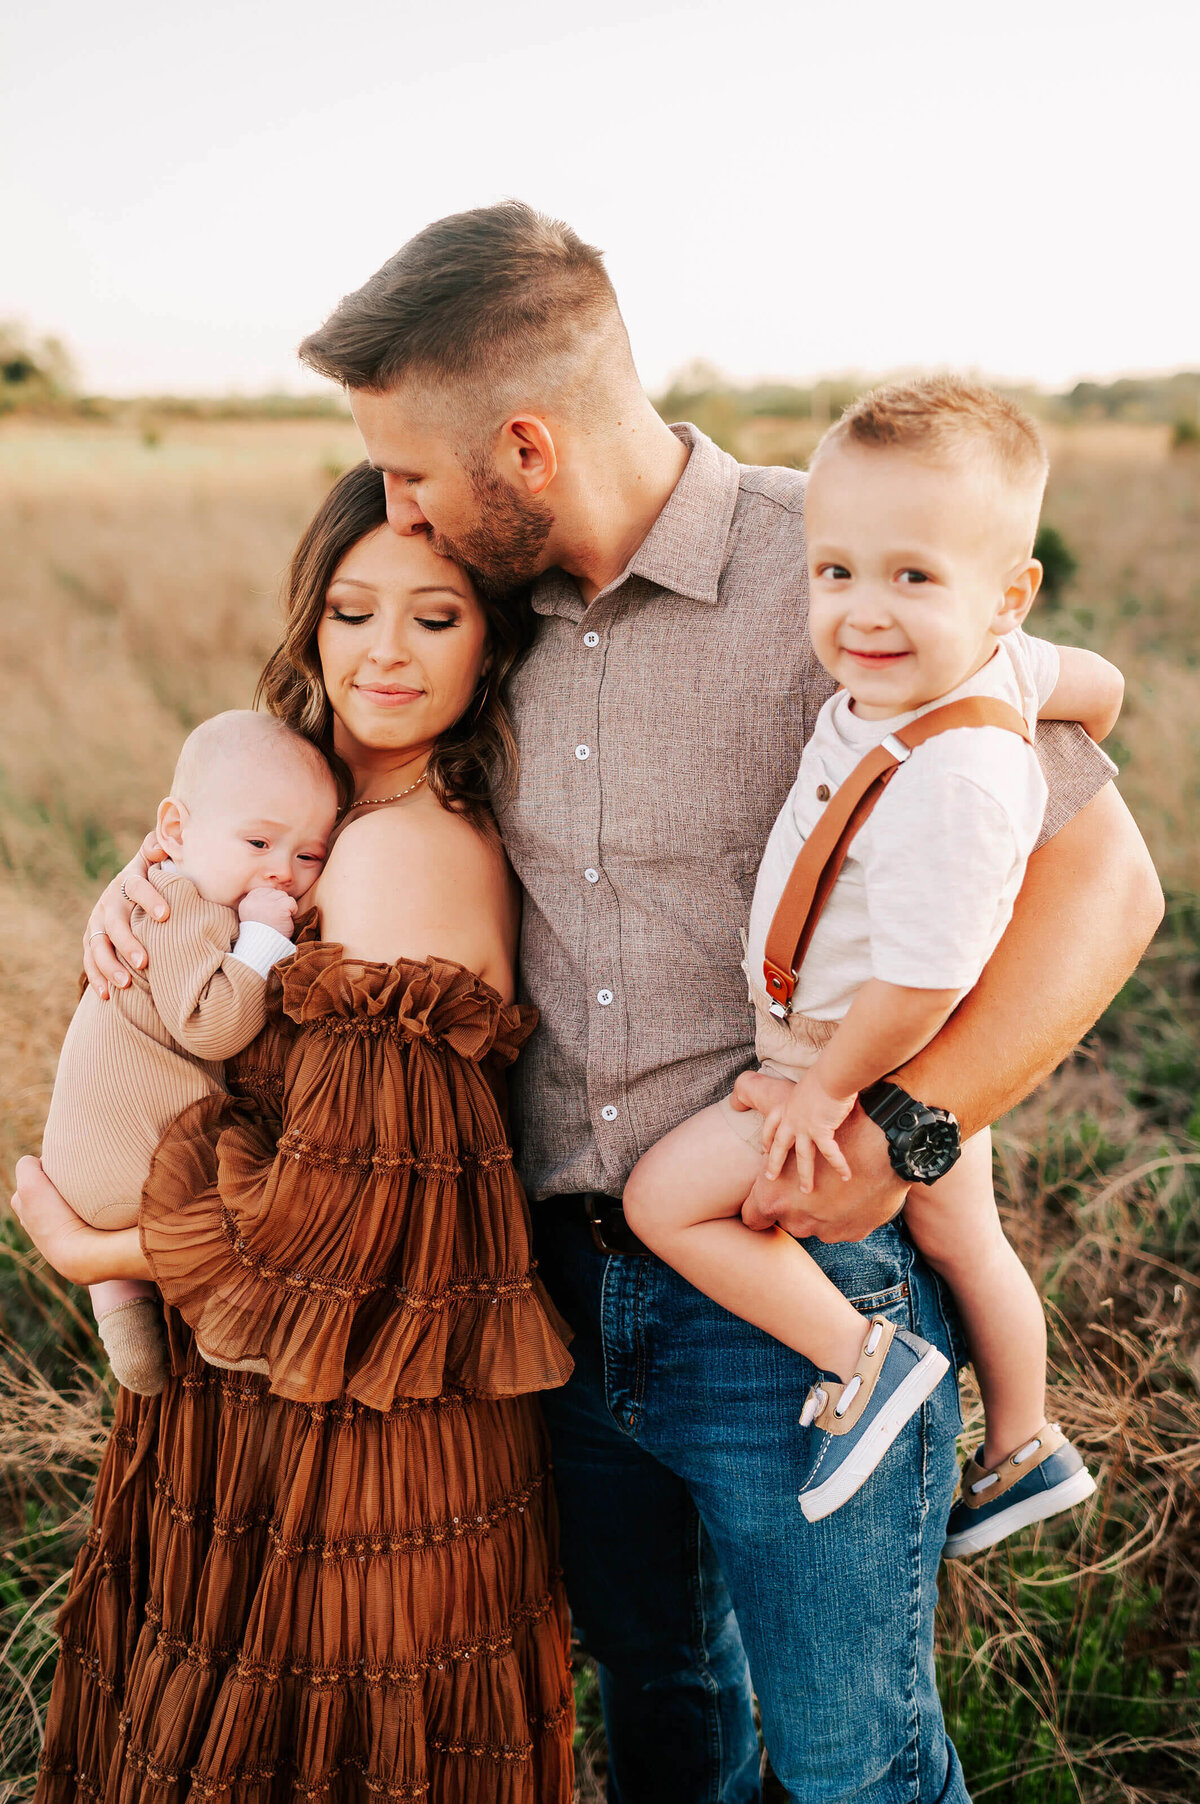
(273, 907)
(109, 939)
(832, 1210)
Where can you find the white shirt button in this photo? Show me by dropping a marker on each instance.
(604, 997)
(591, 875)
(608, 1112)
(583, 751)
(591, 639)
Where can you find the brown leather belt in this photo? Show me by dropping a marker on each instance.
(611, 1232)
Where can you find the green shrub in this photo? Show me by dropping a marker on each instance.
(1058, 562)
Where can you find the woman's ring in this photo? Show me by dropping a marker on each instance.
(98, 935)
(125, 892)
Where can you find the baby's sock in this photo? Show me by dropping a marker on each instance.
(133, 1338)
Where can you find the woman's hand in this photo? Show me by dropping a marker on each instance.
(109, 938)
(78, 1253)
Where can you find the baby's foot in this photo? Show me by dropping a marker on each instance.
(1043, 1477)
(56, 1231)
(136, 1345)
(895, 1373)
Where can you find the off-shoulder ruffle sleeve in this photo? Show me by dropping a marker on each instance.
(349, 1219)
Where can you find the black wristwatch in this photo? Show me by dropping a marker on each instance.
(923, 1142)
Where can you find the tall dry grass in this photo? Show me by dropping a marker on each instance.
(137, 585)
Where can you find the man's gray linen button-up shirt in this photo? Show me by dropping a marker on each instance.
(659, 731)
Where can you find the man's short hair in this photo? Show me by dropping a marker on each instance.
(946, 416)
(485, 299)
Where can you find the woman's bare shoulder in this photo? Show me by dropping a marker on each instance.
(417, 882)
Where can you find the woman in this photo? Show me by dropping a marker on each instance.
(337, 1583)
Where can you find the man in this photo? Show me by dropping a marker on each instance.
(660, 718)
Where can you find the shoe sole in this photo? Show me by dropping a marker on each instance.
(1071, 1491)
(855, 1470)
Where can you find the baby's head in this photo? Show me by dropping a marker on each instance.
(921, 511)
(252, 804)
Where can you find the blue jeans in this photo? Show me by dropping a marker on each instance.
(689, 1567)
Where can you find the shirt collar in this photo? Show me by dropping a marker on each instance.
(684, 551)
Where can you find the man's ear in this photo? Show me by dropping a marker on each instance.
(1020, 590)
(527, 454)
(169, 824)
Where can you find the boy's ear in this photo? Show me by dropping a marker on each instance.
(169, 824)
(1020, 591)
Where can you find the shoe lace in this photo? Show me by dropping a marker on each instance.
(848, 1395)
(1018, 1458)
(814, 1403)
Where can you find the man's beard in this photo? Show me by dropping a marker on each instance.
(502, 552)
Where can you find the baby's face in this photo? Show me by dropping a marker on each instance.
(248, 828)
(909, 563)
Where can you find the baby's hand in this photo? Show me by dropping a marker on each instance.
(273, 907)
(807, 1121)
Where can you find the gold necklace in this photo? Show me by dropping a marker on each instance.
(375, 801)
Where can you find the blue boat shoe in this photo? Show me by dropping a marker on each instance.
(1042, 1478)
(860, 1419)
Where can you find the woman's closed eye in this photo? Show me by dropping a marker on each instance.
(346, 618)
(437, 623)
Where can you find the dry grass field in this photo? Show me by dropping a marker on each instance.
(138, 575)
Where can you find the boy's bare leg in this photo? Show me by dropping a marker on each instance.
(956, 1225)
(683, 1200)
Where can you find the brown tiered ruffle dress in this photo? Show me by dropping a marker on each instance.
(335, 1583)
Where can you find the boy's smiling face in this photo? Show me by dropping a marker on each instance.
(916, 569)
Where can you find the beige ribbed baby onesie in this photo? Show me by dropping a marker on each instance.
(130, 1065)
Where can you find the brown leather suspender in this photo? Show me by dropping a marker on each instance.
(824, 851)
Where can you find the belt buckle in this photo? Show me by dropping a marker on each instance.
(596, 1206)
(593, 1208)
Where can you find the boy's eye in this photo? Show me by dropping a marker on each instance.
(914, 576)
(312, 857)
(837, 573)
(260, 845)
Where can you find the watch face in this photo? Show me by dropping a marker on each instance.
(932, 1149)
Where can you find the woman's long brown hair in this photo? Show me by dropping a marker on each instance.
(473, 765)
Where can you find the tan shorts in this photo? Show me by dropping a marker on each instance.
(785, 1049)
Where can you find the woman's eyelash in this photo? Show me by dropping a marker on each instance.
(436, 626)
(349, 619)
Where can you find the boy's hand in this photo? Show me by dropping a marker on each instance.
(108, 938)
(273, 907)
(807, 1121)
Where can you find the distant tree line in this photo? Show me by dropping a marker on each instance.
(701, 389)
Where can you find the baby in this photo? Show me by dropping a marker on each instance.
(921, 510)
(246, 824)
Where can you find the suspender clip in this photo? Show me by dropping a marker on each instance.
(779, 986)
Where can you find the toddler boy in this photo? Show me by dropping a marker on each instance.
(921, 510)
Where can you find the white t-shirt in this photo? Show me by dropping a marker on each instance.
(929, 882)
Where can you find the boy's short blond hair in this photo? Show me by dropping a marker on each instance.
(947, 418)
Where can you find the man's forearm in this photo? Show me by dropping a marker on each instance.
(1087, 910)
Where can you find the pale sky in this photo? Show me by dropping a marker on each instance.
(783, 189)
